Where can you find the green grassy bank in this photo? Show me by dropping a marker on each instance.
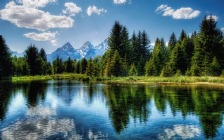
(131, 79)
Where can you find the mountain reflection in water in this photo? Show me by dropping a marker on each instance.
(76, 110)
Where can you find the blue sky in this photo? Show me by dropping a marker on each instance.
(51, 23)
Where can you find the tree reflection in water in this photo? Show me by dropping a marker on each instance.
(125, 103)
(131, 101)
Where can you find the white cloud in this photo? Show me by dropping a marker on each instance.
(35, 3)
(32, 18)
(45, 36)
(120, 1)
(71, 9)
(222, 29)
(181, 13)
(161, 7)
(213, 17)
(94, 10)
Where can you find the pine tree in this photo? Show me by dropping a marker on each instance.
(188, 47)
(167, 71)
(209, 43)
(158, 59)
(90, 70)
(58, 66)
(125, 66)
(172, 43)
(104, 62)
(107, 70)
(69, 66)
(134, 54)
(31, 57)
(125, 43)
(5, 60)
(138, 46)
(115, 42)
(183, 36)
(116, 65)
(48, 68)
(178, 59)
(216, 69)
(43, 62)
(20, 66)
(74, 65)
(145, 51)
(140, 50)
(133, 71)
(42, 70)
(150, 68)
(78, 67)
(97, 66)
(14, 66)
(43, 55)
(83, 67)
(140, 66)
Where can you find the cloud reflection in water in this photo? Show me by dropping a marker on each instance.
(181, 132)
(40, 124)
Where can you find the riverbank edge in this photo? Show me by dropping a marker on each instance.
(204, 80)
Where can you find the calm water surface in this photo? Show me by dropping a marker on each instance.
(76, 110)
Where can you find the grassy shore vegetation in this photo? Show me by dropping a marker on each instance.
(80, 77)
(195, 58)
(128, 79)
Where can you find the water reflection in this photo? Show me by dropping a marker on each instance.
(206, 103)
(75, 110)
(125, 102)
(180, 132)
(5, 91)
(41, 128)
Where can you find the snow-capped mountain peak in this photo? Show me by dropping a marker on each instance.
(64, 53)
(67, 47)
(88, 50)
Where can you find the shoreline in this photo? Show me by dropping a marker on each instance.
(180, 80)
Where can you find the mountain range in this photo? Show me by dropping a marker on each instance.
(88, 50)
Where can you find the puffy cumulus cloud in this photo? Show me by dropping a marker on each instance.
(46, 36)
(213, 17)
(71, 9)
(222, 29)
(33, 18)
(94, 10)
(120, 1)
(181, 132)
(35, 3)
(181, 13)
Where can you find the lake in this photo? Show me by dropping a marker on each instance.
(63, 109)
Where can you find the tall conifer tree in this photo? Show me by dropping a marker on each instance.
(5, 60)
(209, 43)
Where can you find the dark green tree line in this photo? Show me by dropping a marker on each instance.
(200, 54)
(124, 51)
(5, 60)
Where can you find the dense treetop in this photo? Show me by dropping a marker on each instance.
(200, 54)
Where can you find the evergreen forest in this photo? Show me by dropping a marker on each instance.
(200, 54)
